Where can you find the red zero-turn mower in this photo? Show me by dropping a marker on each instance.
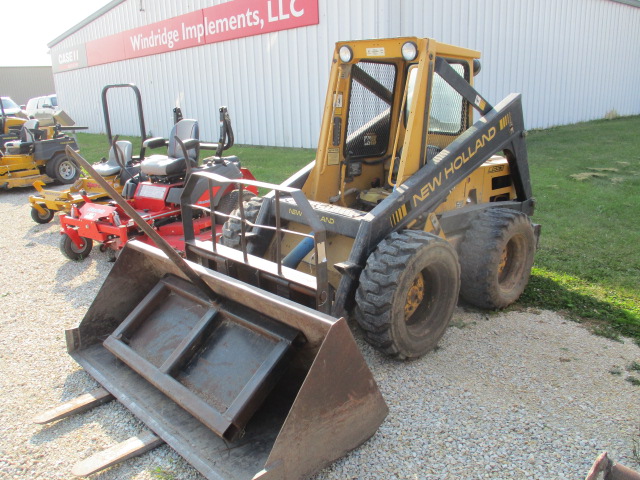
(155, 195)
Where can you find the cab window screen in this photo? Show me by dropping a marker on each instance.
(370, 102)
(447, 106)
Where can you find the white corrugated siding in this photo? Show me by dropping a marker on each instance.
(573, 60)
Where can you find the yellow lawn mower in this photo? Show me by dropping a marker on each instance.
(117, 168)
(38, 155)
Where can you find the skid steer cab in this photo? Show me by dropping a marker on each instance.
(240, 356)
(117, 167)
(31, 153)
(154, 193)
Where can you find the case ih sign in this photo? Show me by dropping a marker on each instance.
(227, 21)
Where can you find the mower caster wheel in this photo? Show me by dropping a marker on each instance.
(71, 251)
(229, 203)
(39, 218)
(112, 255)
(231, 230)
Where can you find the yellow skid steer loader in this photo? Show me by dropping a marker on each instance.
(239, 356)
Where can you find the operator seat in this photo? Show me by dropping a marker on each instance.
(173, 163)
(29, 133)
(111, 166)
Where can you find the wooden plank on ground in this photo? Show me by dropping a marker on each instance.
(131, 447)
(77, 405)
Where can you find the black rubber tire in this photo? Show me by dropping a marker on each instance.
(229, 203)
(62, 169)
(496, 256)
(112, 255)
(42, 219)
(69, 249)
(393, 272)
(232, 227)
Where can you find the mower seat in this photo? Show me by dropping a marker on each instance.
(173, 163)
(111, 165)
(29, 133)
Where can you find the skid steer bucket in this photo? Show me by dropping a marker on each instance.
(242, 383)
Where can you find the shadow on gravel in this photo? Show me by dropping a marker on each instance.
(112, 429)
(110, 418)
(129, 469)
(78, 383)
(9, 200)
(44, 234)
(93, 271)
(604, 319)
(18, 197)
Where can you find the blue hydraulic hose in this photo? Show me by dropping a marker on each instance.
(300, 251)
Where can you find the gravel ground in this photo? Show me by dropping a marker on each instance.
(517, 395)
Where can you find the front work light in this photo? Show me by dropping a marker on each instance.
(345, 53)
(409, 51)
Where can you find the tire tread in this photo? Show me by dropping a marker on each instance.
(378, 282)
(480, 250)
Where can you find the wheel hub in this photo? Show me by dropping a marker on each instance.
(414, 296)
(67, 170)
(503, 261)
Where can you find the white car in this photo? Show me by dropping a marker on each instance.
(11, 108)
(42, 107)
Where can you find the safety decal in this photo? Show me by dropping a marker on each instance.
(398, 215)
(333, 156)
(375, 52)
(337, 103)
(505, 121)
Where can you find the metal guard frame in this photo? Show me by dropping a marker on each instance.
(318, 234)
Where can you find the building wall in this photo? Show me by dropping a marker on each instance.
(23, 83)
(573, 60)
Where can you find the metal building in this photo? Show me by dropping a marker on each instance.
(268, 60)
(24, 83)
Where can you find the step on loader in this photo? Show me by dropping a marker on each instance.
(119, 166)
(239, 356)
(32, 153)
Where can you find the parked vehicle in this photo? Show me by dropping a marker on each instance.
(155, 194)
(45, 203)
(10, 126)
(11, 108)
(43, 107)
(35, 154)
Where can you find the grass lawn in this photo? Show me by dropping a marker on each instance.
(268, 164)
(586, 179)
